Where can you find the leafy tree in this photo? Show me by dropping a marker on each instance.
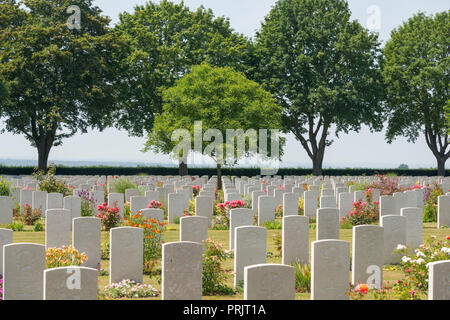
(61, 79)
(163, 41)
(416, 72)
(322, 68)
(3, 92)
(221, 99)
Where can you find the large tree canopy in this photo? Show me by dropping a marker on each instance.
(3, 93)
(163, 41)
(416, 72)
(221, 99)
(61, 80)
(322, 68)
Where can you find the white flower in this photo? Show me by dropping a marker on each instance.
(406, 259)
(445, 249)
(420, 261)
(420, 254)
(401, 247)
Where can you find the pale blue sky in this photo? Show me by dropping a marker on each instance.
(362, 149)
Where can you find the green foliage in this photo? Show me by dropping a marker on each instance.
(38, 226)
(120, 185)
(430, 209)
(323, 69)
(222, 99)
(415, 71)
(3, 92)
(213, 276)
(16, 225)
(162, 42)
(30, 216)
(5, 187)
(60, 81)
(273, 225)
(361, 214)
(302, 277)
(48, 181)
(414, 265)
(105, 250)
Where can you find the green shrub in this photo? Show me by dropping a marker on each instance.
(214, 276)
(273, 225)
(5, 187)
(105, 250)
(17, 225)
(38, 226)
(30, 216)
(48, 181)
(302, 277)
(120, 185)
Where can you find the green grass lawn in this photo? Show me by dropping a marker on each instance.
(172, 234)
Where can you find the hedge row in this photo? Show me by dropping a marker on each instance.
(129, 171)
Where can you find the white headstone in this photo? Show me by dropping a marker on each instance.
(182, 271)
(295, 243)
(23, 271)
(330, 270)
(250, 248)
(126, 254)
(71, 283)
(269, 282)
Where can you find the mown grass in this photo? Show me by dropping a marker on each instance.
(222, 236)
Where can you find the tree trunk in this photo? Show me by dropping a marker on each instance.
(183, 169)
(43, 153)
(317, 167)
(219, 176)
(318, 160)
(441, 166)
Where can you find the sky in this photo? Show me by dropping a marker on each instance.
(363, 149)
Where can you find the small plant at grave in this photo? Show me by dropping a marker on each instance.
(87, 203)
(64, 257)
(30, 216)
(362, 291)
(120, 185)
(16, 211)
(16, 225)
(48, 181)
(152, 268)
(248, 202)
(5, 187)
(153, 231)
(1, 286)
(109, 216)
(126, 210)
(301, 206)
(414, 265)
(273, 225)
(387, 185)
(362, 213)
(430, 198)
(129, 289)
(279, 211)
(105, 250)
(154, 204)
(302, 277)
(305, 187)
(191, 210)
(213, 275)
(38, 226)
(195, 190)
(278, 241)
